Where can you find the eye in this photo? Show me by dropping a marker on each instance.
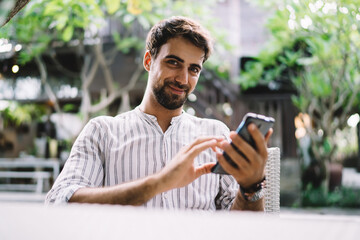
(195, 70)
(173, 62)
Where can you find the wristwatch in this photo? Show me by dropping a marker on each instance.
(255, 192)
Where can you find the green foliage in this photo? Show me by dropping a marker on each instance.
(17, 114)
(305, 40)
(42, 23)
(112, 6)
(126, 44)
(90, 25)
(314, 47)
(344, 197)
(253, 72)
(314, 197)
(69, 107)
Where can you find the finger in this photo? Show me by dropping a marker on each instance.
(258, 139)
(240, 150)
(197, 149)
(227, 166)
(268, 135)
(200, 140)
(204, 169)
(214, 149)
(240, 143)
(236, 159)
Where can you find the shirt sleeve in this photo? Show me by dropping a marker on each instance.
(228, 186)
(84, 167)
(227, 192)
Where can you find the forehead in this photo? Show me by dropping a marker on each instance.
(183, 49)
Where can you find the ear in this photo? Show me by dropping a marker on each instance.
(147, 61)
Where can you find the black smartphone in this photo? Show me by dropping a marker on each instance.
(262, 122)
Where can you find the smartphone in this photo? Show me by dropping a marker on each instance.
(262, 122)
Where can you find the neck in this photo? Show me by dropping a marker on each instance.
(151, 106)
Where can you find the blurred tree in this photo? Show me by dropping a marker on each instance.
(314, 46)
(43, 25)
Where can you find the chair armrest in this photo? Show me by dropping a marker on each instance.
(272, 171)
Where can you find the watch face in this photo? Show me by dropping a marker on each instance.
(255, 193)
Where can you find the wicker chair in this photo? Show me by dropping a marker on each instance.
(272, 171)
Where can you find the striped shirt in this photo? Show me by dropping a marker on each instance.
(132, 145)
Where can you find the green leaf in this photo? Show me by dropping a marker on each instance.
(112, 6)
(69, 107)
(68, 33)
(300, 102)
(251, 76)
(61, 21)
(24, 57)
(52, 8)
(116, 37)
(126, 44)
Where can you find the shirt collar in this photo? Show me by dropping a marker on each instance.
(152, 118)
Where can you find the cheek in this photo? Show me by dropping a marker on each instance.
(155, 76)
(159, 73)
(192, 82)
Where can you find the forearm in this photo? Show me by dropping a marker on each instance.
(241, 204)
(134, 193)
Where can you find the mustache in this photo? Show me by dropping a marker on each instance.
(177, 85)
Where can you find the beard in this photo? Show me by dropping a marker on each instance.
(167, 99)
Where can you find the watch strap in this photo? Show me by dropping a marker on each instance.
(254, 192)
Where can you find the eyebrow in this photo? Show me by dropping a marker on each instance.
(182, 61)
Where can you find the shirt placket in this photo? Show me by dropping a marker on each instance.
(166, 157)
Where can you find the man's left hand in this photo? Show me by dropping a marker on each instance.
(250, 167)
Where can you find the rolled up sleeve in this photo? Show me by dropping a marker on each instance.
(84, 167)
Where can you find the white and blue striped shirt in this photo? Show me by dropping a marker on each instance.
(115, 150)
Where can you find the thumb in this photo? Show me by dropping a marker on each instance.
(204, 169)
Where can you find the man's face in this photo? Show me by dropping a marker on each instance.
(175, 72)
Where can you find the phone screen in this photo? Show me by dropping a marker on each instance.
(262, 122)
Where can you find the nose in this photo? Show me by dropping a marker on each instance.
(182, 76)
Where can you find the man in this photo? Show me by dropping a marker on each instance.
(157, 155)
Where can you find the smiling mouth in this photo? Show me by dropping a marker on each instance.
(176, 90)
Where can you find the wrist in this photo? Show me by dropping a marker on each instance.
(157, 181)
(254, 192)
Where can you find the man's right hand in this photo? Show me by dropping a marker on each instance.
(181, 170)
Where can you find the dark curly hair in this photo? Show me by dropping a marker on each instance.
(178, 27)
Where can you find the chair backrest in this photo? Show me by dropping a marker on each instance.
(272, 171)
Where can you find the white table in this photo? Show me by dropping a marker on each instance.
(75, 221)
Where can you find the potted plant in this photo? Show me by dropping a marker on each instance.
(17, 122)
(314, 47)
